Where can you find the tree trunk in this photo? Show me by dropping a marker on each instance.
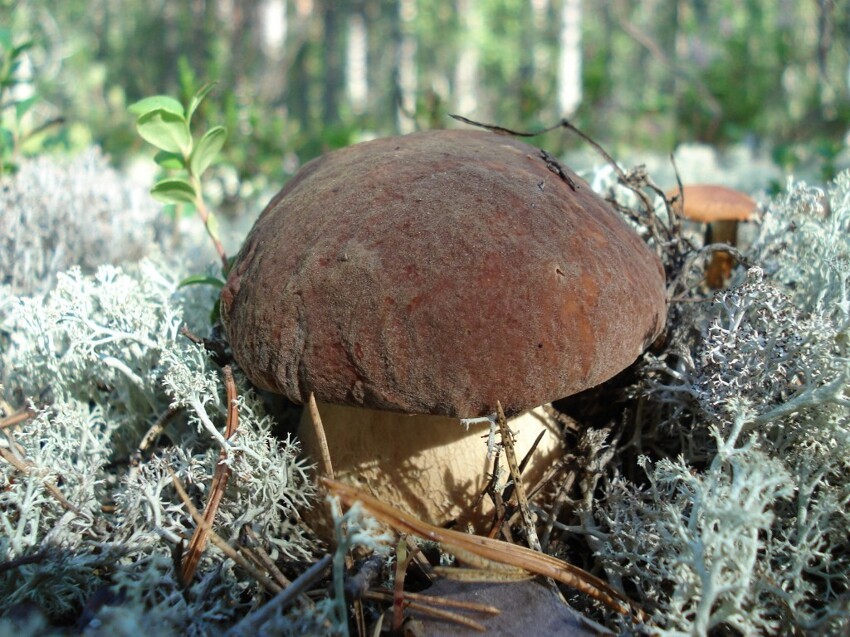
(357, 63)
(405, 71)
(466, 78)
(570, 58)
(333, 67)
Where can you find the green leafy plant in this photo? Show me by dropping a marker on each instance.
(167, 124)
(14, 107)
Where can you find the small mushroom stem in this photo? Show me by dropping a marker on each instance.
(720, 267)
(433, 467)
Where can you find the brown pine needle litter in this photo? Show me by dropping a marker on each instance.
(220, 478)
(487, 548)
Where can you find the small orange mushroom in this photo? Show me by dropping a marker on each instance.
(720, 208)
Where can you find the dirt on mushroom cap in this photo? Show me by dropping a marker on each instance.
(438, 273)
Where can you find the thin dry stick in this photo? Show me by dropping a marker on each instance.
(26, 467)
(519, 488)
(325, 464)
(565, 123)
(426, 609)
(153, 433)
(220, 478)
(524, 463)
(219, 541)
(264, 558)
(490, 549)
(558, 503)
(402, 561)
(18, 562)
(22, 415)
(250, 624)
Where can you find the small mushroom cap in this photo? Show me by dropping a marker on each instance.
(707, 203)
(437, 273)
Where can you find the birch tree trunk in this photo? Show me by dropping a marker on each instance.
(569, 59)
(406, 68)
(466, 72)
(357, 63)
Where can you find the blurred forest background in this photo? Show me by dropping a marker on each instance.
(298, 77)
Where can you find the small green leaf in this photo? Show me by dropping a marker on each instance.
(22, 47)
(173, 191)
(24, 105)
(202, 279)
(197, 98)
(172, 161)
(206, 149)
(7, 140)
(165, 130)
(156, 102)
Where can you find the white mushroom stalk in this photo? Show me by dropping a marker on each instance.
(432, 467)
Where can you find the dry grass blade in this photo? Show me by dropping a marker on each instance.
(483, 575)
(263, 559)
(434, 600)
(490, 549)
(220, 478)
(402, 561)
(155, 431)
(326, 470)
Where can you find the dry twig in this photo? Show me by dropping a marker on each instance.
(519, 489)
(250, 624)
(424, 604)
(22, 415)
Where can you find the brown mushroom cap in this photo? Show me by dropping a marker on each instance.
(437, 273)
(708, 203)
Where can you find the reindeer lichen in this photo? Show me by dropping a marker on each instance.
(101, 360)
(742, 522)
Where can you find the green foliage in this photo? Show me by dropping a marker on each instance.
(654, 75)
(14, 107)
(165, 123)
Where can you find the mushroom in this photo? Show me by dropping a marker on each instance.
(720, 208)
(435, 274)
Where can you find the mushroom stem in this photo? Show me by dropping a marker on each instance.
(432, 467)
(720, 267)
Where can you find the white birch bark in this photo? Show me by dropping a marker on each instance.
(570, 58)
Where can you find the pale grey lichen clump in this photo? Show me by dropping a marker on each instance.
(57, 213)
(742, 518)
(101, 358)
